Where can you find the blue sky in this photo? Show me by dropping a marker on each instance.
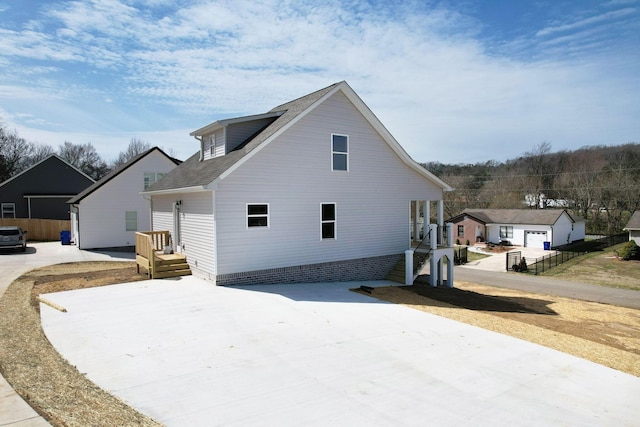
(455, 81)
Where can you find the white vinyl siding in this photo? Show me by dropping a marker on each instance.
(102, 213)
(197, 232)
(8, 210)
(294, 173)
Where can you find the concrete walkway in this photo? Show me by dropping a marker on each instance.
(14, 411)
(188, 353)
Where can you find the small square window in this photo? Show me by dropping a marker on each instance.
(328, 222)
(8, 210)
(339, 152)
(258, 215)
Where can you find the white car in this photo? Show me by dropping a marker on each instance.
(13, 237)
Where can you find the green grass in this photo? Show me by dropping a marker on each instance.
(600, 268)
(472, 256)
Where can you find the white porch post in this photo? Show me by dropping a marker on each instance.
(408, 267)
(450, 273)
(440, 218)
(426, 214)
(416, 216)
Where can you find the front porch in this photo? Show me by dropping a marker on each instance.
(430, 242)
(151, 256)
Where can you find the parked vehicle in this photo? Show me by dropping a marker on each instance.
(13, 237)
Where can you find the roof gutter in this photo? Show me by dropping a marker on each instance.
(194, 189)
(201, 139)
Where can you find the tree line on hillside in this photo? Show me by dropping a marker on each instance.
(17, 154)
(598, 183)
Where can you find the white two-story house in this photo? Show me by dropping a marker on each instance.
(315, 189)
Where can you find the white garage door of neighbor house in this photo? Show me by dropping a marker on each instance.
(535, 239)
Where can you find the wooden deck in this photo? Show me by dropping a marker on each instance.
(151, 257)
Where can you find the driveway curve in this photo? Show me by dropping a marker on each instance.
(14, 411)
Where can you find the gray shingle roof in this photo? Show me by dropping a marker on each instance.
(634, 222)
(108, 177)
(196, 173)
(518, 216)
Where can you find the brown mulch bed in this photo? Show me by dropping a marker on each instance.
(602, 333)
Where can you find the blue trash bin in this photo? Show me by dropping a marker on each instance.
(547, 245)
(65, 237)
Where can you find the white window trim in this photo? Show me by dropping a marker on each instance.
(334, 221)
(339, 152)
(246, 210)
(13, 205)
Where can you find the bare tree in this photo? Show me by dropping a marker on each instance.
(15, 153)
(135, 148)
(85, 158)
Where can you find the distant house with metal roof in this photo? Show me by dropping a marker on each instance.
(108, 213)
(316, 189)
(633, 227)
(519, 227)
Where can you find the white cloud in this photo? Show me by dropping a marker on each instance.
(128, 68)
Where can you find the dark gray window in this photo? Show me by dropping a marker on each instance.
(258, 215)
(461, 231)
(339, 152)
(506, 232)
(328, 222)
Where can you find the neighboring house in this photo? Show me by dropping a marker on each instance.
(633, 227)
(314, 190)
(108, 213)
(520, 227)
(42, 190)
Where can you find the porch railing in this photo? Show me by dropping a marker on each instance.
(147, 243)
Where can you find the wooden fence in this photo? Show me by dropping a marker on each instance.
(39, 229)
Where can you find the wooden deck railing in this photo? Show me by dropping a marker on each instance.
(147, 243)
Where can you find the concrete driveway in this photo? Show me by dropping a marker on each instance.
(13, 410)
(498, 261)
(188, 353)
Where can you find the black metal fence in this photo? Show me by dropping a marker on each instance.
(562, 254)
(460, 255)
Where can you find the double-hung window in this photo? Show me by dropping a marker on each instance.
(258, 215)
(151, 177)
(131, 220)
(506, 232)
(8, 210)
(339, 152)
(461, 231)
(328, 221)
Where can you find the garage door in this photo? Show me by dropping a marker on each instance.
(535, 239)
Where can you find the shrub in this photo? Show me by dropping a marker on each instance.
(467, 242)
(458, 242)
(629, 251)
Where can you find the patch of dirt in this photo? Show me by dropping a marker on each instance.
(604, 334)
(54, 388)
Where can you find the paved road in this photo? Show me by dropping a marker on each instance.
(14, 411)
(549, 286)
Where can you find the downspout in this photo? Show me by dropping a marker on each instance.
(200, 139)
